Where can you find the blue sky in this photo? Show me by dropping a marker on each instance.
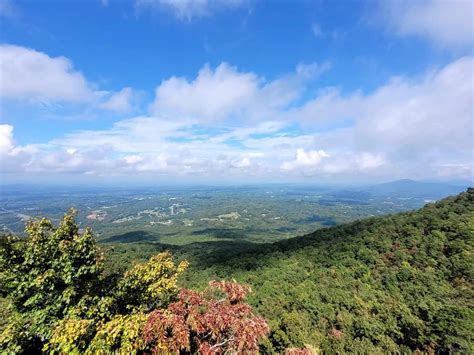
(240, 90)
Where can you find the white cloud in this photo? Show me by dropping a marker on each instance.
(417, 118)
(445, 22)
(410, 127)
(133, 159)
(369, 161)
(305, 159)
(33, 75)
(142, 145)
(6, 138)
(354, 163)
(406, 118)
(120, 101)
(322, 163)
(213, 94)
(243, 163)
(226, 93)
(189, 9)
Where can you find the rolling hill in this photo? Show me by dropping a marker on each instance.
(398, 283)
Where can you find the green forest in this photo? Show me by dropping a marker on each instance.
(400, 283)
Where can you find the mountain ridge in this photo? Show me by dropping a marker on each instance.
(396, 283)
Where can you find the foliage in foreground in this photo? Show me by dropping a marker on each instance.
(220, 325)
(62, 301)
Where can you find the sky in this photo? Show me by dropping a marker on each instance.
(238, 91)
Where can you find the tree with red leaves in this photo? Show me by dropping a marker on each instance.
(215, 321)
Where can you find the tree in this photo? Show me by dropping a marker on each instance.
(114, 322)
(215, 321)
(63, 302)
(44, 276)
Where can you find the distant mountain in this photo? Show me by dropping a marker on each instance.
(411, 188)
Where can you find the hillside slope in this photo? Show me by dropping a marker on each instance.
(395, 283)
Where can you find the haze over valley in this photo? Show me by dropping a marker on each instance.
(181, 215)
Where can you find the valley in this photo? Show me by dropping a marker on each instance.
(183, 215)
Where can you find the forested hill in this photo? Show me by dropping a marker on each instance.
(393, 284)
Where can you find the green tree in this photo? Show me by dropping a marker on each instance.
(45, 276)
(63, 302)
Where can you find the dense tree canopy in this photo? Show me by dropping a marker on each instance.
(46, 276)
(399, 283)
(62, 301)
(220, 322)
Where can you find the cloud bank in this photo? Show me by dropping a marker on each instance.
(447, 23)
(235, 124)
(33, 77)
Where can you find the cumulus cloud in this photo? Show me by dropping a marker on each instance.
(243, 163)
(305, 159)
(120, 101)
(189, 9)
(225, 93)
(6, 138)
(34, 75)
(410, 127)
(424, 116)
(13, 158)
(355, 163)
(408, 119)
(337, 163)
(142, 145)
(50, 159)
(445, 22)
(213, 94)
(133, 159)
